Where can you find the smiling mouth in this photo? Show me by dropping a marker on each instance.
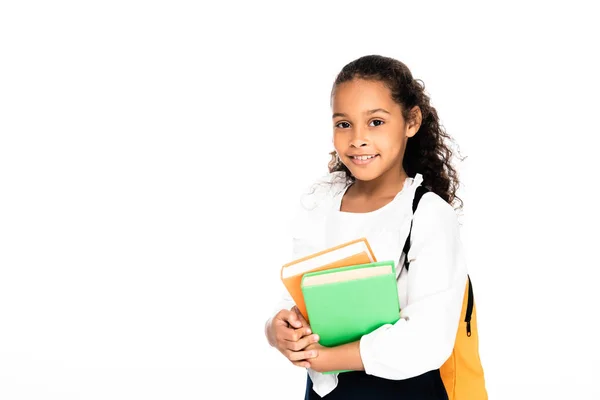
(363, 160)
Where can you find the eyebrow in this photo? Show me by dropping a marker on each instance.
(368, 112)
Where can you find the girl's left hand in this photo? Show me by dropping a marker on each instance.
(318, 363)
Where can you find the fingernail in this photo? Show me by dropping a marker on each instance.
(308, 331)
(316, 338)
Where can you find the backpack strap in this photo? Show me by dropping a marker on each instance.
(421, 190)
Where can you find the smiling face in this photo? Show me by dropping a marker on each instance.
(369, 131)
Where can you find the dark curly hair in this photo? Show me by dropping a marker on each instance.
(426, 152)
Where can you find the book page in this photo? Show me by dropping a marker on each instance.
(325, 259)
(348, 275)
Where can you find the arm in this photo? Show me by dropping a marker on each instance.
(343, 357)
(285, 303)
(423, 338)
(287, 330)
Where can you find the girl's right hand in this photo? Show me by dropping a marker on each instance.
(289, 333)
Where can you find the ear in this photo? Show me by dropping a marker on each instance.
(414, 123)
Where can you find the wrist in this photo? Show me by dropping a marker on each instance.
(343, 357)
(325, 356)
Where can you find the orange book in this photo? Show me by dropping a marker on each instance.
(355, 252)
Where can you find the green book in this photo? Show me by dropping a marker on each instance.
(345, 303)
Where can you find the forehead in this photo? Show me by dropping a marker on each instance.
(359, 95)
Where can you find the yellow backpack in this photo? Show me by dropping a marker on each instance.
(462, 373)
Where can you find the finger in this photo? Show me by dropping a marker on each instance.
(304, 331)
(293, 320)
(282, 317)
(302, 355)
(302, 343)
(302, 364)
(288, 318)
(300, 316)
(293, 335)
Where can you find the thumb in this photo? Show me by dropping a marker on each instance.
(293, 320)
(303, 320)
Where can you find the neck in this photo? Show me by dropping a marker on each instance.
(386, 185)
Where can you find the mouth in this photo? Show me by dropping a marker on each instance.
(363, 159)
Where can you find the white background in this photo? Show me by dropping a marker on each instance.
(150, 153)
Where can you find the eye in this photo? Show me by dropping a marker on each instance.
(377, 122)
(342, 124)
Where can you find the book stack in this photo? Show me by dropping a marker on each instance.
(343, 291)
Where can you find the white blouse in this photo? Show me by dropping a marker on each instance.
(430, 295)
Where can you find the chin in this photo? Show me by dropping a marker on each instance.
(365, 175)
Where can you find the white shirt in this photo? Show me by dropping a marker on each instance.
(431, 294)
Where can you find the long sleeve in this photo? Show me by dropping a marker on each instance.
(284, 301)
(297, 248)
(423, 338)
(301, 229)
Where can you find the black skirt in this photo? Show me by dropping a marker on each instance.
(359, 385)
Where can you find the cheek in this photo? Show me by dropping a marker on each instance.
(391, 143)
(338, 142)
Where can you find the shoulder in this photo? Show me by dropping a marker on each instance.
(311, 206)
(322, 191)
(436, 244)
(315, 199)
(435, 216)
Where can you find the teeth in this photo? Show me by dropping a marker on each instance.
(363, 157)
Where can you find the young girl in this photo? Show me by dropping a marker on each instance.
(388, 141)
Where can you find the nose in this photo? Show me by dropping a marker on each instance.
(359, 137)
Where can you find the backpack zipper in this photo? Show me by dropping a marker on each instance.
(469, 307)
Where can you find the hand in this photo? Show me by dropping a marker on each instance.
(317, 363)
(289, 332)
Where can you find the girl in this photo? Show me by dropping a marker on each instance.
(388, 141)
